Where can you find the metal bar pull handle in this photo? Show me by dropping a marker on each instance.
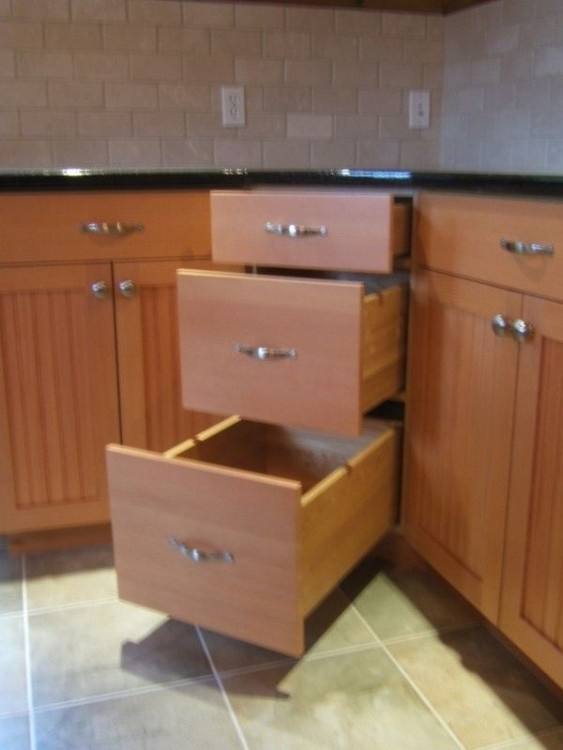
(295, 231)
(111, 229)
(201, 556)
(527, 248)
(265, 352)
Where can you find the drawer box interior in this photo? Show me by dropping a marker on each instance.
(293, 510)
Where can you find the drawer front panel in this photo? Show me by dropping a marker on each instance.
(156, 500)
(462, 235)
(340, 230)
(308, 333)
(50, 226)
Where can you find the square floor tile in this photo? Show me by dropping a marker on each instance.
(354, 701)
(13, 686)
(477, 686)
(14, 733)
(98, 649)
(10, 582)
(334, 625)
(69, 576)
(191, 718)
(403, 603)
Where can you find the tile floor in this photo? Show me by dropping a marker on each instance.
(395, 662)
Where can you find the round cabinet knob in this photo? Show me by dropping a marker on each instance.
(501, 325)
(128, 288)
(522, 330)
(100, 289)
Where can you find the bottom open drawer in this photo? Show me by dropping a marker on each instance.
(247, 527)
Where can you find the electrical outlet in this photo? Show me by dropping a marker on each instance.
(419, 109)
(232, 106)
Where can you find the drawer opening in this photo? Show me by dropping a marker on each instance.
(299, 455)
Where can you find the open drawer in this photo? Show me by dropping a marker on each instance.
(302, 352)
(247, 527)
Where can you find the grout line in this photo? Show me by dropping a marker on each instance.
(27, 647)
(157, 687)
(72, 605)
(411, 682)
(230, 709)
(429, 633)
(11, 615)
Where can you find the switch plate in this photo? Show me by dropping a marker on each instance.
(232, 106)
(419, 109)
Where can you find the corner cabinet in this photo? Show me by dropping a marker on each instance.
(483, 499)
(88, 343)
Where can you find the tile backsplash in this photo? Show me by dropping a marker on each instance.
(136, 84)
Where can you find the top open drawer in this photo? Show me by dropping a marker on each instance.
(338, 230)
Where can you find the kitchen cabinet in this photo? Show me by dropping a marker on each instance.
(483, 499)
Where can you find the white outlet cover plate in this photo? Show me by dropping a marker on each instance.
(232, 106)
(419, 109)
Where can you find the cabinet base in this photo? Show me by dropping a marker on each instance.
(54, 539)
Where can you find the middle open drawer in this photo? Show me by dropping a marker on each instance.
(302, 352)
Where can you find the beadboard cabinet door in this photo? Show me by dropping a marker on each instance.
(532, 602)
(152, 415)
(462, 382)
(58, 395)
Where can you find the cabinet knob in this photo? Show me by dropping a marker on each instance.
(294, 231)
(127, 288)
(199, 555)
(111, 229)
(265, 352)
(527, 248)
(501, 325)
(522, 330)
(100, 289)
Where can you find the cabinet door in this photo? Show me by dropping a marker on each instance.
(462, 380)
(152, 415)
(58, 395)
(532, 603)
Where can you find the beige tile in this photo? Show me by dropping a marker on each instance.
(210, 15)
(14, 733)
(101, 66)
(333, 154)
(376, 154)
(131, 95)
(363, 74)
(334, 625)
(358, 21)
(129, 37)
(329, 100)
(5, 8)
(308, 72)
(356, 125)
(209, 68)
(230, 152)
(44, 64)
(98, 10)
(384, 101)
(485, 695)
(69, 36)
(257, 70)
(406, 75)
(109, 647)
(7, 64)
(309, 19)
(188, 152)
(262, 125)
(375, 47)
(13, 686)
(286, 154)
(84, 153)
(403, 24)
(171, 124)
(9, 126)
(287, 45)
(50, 123)
(309, 126)
(356, 700)
(404, 603)
(75, 94)
(335, 46)
(54, 10)
(10, 567)
(254, 16)
(135, 153)
(192, 717)
(423, 50)
(156, 67)
(178, 39)
(23, 93)
(188, 97)
(287, 99)
(20, 35)
(155, 12)
(206, 124)
(419, 155)
(25, 154)
(236, 42)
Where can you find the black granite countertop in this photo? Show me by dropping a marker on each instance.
(474, 182)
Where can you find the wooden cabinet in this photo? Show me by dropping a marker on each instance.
(58, 395)
(461, 395)
(483, 500)
(532, 596)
